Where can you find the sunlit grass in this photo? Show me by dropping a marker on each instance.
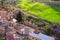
(43, 11)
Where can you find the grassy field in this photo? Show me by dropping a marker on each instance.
(43, 11)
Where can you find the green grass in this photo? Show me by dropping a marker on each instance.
(1, 37)
(43, 11)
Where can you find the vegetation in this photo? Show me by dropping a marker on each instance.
(43, 11)
(1, 37)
